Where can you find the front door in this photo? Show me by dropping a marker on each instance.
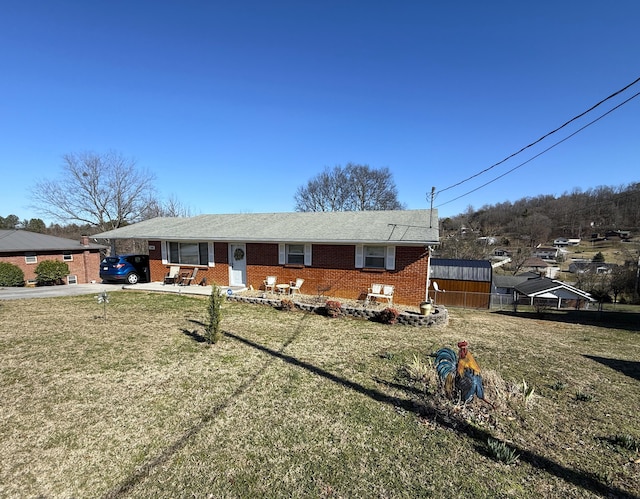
(238, 265)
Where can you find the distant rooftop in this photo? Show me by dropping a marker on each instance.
(23, 240)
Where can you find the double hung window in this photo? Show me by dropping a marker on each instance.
(295, 254)
(374, 257)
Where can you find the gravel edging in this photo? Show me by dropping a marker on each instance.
(439, 316)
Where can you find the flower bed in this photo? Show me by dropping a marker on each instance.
(439, 315)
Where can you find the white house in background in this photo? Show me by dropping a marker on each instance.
(563, 242)
(546, 252)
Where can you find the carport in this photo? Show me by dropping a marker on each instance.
(544, 290)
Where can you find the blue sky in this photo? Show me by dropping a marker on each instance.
(234, 105)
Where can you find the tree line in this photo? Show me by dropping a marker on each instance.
(573, 214)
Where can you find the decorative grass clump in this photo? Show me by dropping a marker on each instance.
(419, 371)
(502, 452)
(627, 441)
(583, 396)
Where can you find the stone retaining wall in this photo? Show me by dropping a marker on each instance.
(439, 316)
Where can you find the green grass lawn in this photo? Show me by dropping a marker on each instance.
(291, 404)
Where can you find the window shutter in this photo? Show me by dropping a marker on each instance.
(163, 249)
(359, 256)
(307, 255)
(282, 254)
(211, 259)
(391, 258)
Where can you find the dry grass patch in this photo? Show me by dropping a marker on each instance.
(295, 404)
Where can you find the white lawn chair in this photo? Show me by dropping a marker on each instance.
(172, 275)
(270, 283)
(295, 286)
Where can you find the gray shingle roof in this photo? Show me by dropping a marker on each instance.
(508, 281)
(399, 226)
(23, 240)
(544, 286)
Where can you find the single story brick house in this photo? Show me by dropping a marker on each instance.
(26, 249)
(338, 254)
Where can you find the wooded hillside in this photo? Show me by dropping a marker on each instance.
(540, 219)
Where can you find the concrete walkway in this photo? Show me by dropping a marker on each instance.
(159, 287)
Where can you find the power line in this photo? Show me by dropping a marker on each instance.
(539, 154)
(542, 138)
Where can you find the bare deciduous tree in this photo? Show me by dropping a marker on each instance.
(172, 207)
(352, 188)
(105, 191)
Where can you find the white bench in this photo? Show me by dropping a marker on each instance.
(380, 291)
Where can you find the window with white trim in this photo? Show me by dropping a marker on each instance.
(188, 253)
(30, 258)
(295, 254)
(67, 256)
(374, 257)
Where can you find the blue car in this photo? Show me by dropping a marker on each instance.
(129, 269)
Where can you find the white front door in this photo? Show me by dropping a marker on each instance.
(237, 265)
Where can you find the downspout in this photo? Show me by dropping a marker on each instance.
(428, 273)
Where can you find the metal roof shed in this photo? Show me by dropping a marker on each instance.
(463, 283)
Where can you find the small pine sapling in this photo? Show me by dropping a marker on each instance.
(214, 309)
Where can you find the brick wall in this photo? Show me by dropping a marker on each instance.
(332, 273)
(85, 264)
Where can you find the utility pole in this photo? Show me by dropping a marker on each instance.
(432, 197)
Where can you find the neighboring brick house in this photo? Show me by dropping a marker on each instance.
(339, 254)
(26, 249)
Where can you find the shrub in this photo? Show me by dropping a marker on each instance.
(51, 272)
(333, 308)
(388, 316)
(287, 305)
(214, 309)
(11, 275)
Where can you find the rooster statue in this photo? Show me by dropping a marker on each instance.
(460, 373)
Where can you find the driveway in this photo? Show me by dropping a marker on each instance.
(87, 289)
(54, 291)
